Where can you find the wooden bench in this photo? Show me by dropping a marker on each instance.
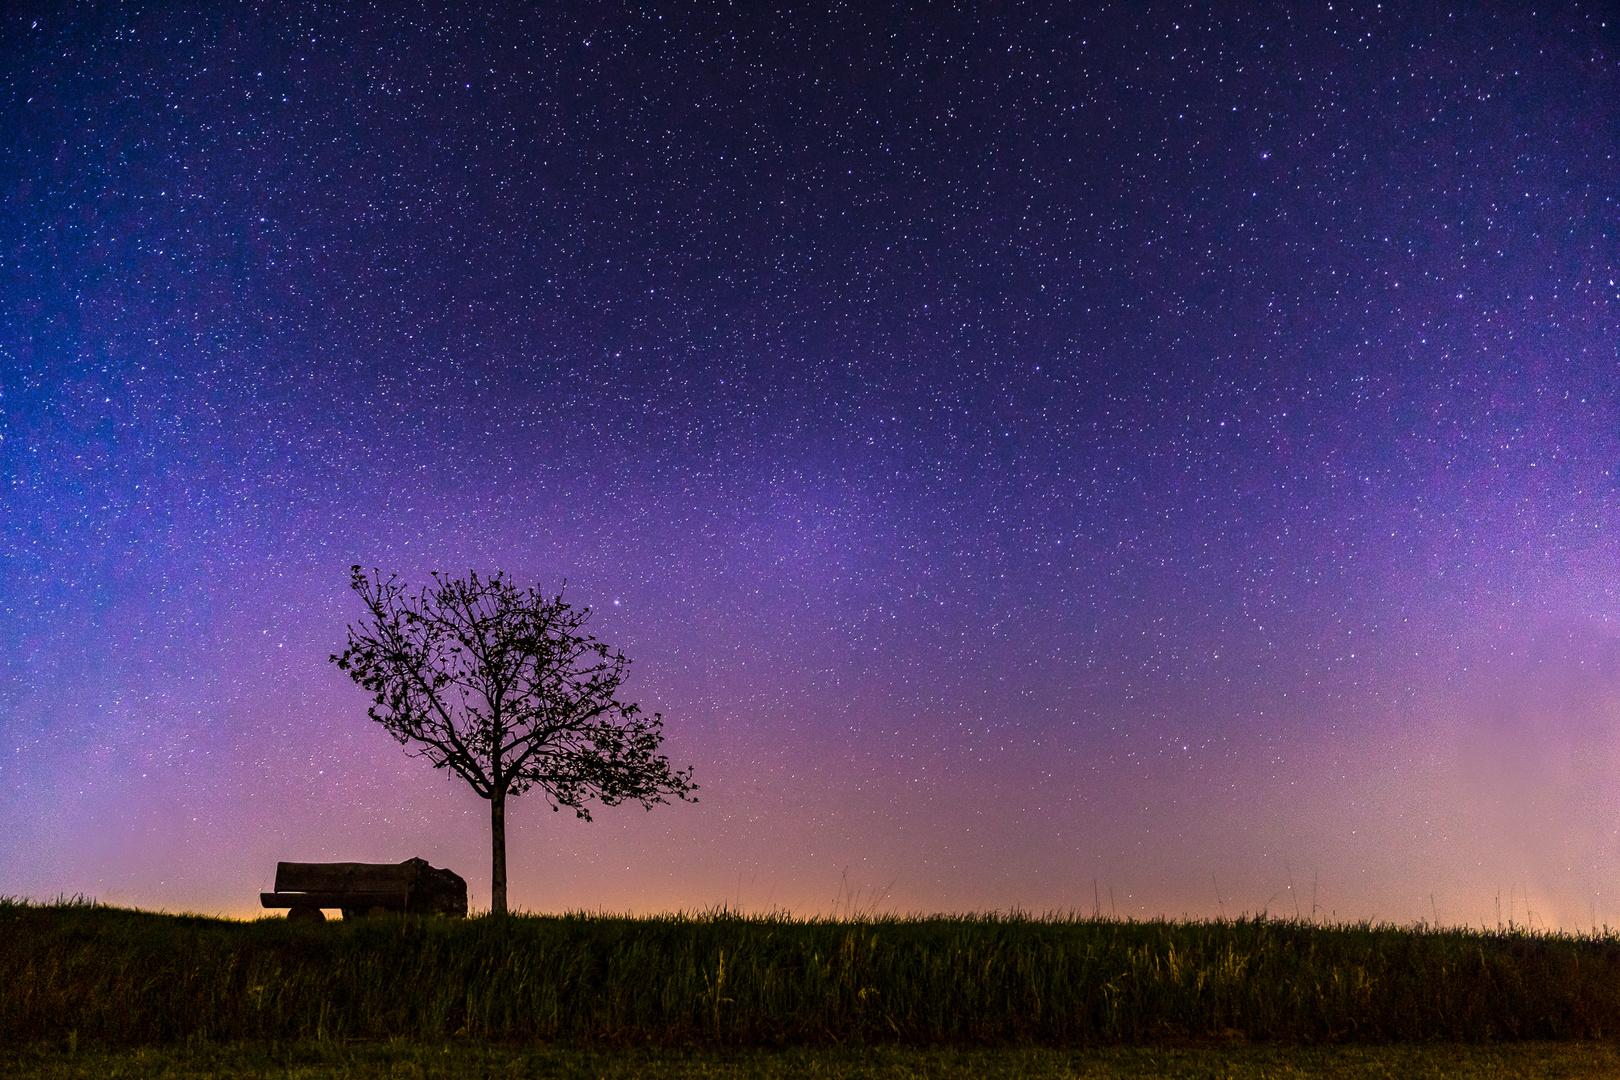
(360, 888)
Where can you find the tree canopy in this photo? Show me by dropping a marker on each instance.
(504, 687)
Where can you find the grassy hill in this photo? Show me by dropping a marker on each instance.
(128, 978)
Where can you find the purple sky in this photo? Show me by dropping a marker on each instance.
(1162, 459)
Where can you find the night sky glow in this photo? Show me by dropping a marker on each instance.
(1163, 460)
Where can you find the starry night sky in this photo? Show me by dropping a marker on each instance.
(1149, 459)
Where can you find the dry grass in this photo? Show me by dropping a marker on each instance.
(482, 1061)
(114, 977)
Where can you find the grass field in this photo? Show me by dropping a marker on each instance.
(479, 1061)
(91, 976)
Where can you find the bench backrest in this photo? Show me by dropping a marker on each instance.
(344, 877)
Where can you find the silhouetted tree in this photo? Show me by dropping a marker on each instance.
(502, 686)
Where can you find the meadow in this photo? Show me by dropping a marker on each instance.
(483, 1061)
(729, 995)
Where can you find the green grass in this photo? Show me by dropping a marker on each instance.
(483, 1061)
(110, 977)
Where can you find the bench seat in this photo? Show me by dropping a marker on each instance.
(358, 888)
(363, 900)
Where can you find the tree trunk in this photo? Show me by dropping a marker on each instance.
(497, 828)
